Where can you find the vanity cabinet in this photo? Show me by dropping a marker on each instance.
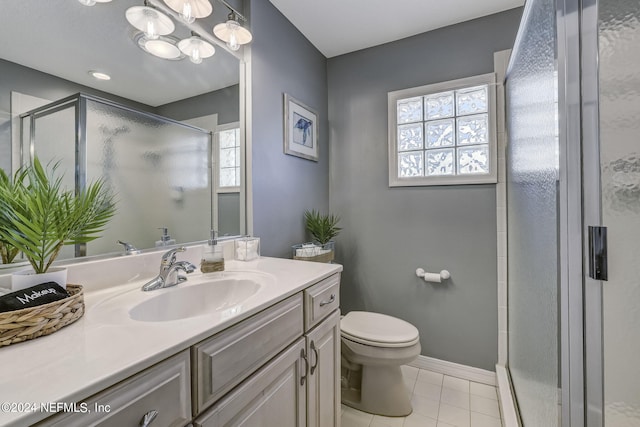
(225, 360)
(163, 388)
(301, 386)
(273, 396)
(280, 367)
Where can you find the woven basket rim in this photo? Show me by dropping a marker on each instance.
(71, 288)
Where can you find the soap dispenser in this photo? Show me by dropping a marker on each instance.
(165, 239)
(212, 258)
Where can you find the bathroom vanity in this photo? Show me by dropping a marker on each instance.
(260, 342)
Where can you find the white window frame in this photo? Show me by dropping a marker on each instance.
(490, 178)
(221, 128)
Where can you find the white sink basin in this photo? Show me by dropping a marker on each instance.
(223, 296)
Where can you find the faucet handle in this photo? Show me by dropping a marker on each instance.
(169, 257)
(129, 249)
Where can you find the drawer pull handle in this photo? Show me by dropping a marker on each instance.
(303, 378)
(315, 356)
(329, 301)
(148, 418)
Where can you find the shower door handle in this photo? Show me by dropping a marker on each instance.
(598, 268)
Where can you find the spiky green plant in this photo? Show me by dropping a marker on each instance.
(38, 216)
(7, 252)
(322, 228)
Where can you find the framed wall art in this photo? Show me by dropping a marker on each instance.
(300, 129)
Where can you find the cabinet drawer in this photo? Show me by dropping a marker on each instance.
(226, 359)
(164, 388)
(274, 396)
(320, 300)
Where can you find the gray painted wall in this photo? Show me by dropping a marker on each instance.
(26, 80)
(283, 60)
(225, 102)
(389, 232)
(228, 214)
(15, 77)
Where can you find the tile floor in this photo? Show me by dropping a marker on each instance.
(438, 401)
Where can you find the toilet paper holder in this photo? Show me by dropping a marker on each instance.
(433, 277)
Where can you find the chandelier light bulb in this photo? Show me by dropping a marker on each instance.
(195, 56)
(151, 32)
(233, 38)
(187, 13)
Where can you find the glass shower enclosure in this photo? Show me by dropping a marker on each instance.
(158, 168)
(573, 164)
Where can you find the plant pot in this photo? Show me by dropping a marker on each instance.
(315, 252)
(14, 264)
(27, 278)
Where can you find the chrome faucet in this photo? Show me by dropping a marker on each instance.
(129, 249)
(169, 268)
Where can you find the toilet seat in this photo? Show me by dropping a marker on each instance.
(378, 330)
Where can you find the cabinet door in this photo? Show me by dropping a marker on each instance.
(323, 387)
(162, 389)
(228, 358)
(273, 396)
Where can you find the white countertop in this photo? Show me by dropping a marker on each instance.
(106, 346)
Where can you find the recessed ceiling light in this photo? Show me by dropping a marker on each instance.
(99, 75)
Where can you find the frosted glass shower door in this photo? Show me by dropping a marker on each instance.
(159, 170)
(533, 212)
(619, 80)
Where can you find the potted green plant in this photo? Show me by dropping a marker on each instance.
(7, 252)
(322, 228)
(38, 217)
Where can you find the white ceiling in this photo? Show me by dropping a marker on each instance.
(66, 39)
(336, 27)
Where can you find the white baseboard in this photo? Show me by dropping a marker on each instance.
(455, 370)
(505, 397)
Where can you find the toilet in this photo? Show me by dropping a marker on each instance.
(374, 346)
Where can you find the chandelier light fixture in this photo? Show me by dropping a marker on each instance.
(196, 48)
(165, 47)
(231, 32)
(154, 22)
(150, 21)
(189, 10)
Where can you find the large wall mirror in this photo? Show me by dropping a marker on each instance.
(165, 134)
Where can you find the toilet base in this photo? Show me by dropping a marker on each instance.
(382, 392)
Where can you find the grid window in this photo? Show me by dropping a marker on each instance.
(443, 134)
(229, 155)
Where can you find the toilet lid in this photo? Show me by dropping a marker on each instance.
(367, 327)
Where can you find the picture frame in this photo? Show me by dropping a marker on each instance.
(300, 129)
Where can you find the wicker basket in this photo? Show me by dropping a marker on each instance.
(29, 323)
(325, 257)
(313, 251)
